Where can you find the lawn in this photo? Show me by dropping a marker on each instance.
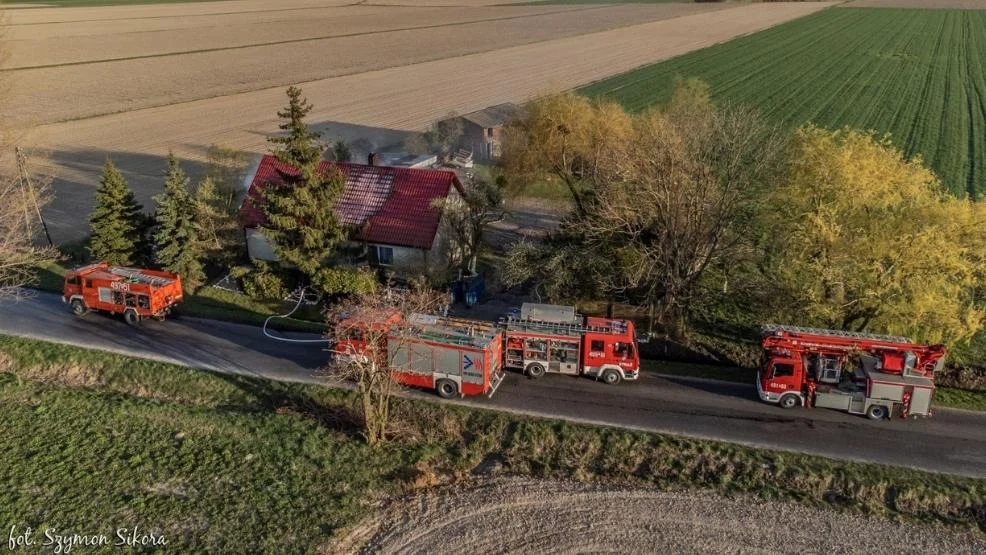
(918, 74)
(94, 441)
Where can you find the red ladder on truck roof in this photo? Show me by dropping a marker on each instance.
(771, 329)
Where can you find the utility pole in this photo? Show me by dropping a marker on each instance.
(29, 191)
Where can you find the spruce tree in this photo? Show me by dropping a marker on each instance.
(301, 145)
(177, 241)
(220, 232)
(300, 223)
(115, 221)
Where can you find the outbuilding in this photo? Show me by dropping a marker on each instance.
(482, 130)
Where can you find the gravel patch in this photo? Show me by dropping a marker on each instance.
(530, 516)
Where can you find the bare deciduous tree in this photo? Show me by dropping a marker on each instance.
(465, 218)
(689, 184)
(659, 196)
(369, 330)
(23, 192)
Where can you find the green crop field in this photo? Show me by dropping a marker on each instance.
(918, 74)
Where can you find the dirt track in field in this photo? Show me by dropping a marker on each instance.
(528, 516)
(928, 4)
(381, 86)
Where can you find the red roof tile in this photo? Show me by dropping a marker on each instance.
(385, 205)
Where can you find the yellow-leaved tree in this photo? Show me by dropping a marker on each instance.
(862, 238)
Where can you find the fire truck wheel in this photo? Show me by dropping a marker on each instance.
(535, 370)
(611, 377)
(78, 307)
(131, 317)
(877, 412)
(446, 389)
(789, 401)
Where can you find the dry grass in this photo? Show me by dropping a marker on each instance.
(399, 98)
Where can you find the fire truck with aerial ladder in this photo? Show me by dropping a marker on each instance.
(879, 376)
(456, 356)
(134, 293)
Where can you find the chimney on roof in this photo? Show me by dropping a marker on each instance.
(371, 159)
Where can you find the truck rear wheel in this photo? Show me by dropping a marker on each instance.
(789, 401)
(79, 307)
(877, 412)
(535, 370)
(131, 317)
(446, 389)
(611, 377)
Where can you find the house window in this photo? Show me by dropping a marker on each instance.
(385, 256)
(489, 132)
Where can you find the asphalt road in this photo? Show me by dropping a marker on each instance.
(952, 441)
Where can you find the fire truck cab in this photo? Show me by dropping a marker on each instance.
(868, 374)
(554, 339)
(134, 293)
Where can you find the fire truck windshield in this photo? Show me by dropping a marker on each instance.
(623, 350)
(781, 370)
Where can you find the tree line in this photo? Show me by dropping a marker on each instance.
(703, 212)
(187, 230)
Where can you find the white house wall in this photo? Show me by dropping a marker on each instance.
(258, 247)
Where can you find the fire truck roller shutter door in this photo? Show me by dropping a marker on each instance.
(399, 359)
(472, 367)
(446, 362)
(421, 359)
(446, 371)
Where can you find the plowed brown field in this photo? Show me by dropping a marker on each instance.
(383, 78)
(542, 517)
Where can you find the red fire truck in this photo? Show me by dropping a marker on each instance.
(552, 338)
(467, 357)
(453, 357)
(860, 373)
(135, 293)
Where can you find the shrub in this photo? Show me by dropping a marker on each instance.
(262, 282)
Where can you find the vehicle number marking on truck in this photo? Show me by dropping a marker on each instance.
(120, 286)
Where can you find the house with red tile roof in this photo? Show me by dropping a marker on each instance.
(391, 212)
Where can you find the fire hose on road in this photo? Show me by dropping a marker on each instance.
(301, 298)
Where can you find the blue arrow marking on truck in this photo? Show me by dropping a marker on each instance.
(467, 362)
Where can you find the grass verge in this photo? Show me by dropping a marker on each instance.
(96, 441)
(218, 304)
